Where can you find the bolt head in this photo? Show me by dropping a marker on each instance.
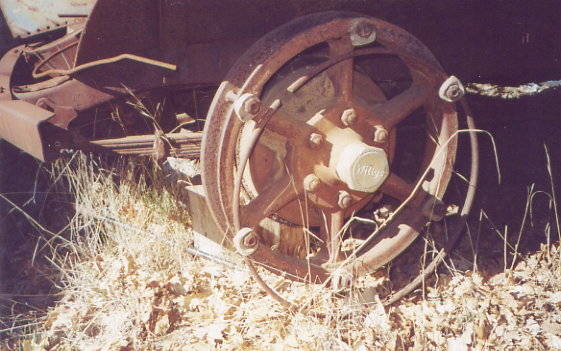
(362, 32)
(384, 211)
(348, 117)
(247, 106)
(316, 140)
(364, 29)
(311, 183)
(453, 91)
(344, 200)
(380, 134)
(246, 242)
(250, 241)
(252, 105)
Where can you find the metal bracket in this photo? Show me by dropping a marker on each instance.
(20, 125)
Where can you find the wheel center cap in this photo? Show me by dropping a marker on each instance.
(363, 167)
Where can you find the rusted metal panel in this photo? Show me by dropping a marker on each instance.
(19, 125)
(30, 17)
(174, 24)
(116, 27)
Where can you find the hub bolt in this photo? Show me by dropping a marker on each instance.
(252, 105)
(311, 183)
(452, 90)
(348, 117)
(380, 134)
(246, 242)
(345, 199)
(316, 140)
(382, 213)
(250, 241)
(364, 29)
(247, 107)
(362, 32)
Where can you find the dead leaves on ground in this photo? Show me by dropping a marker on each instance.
(145, 292)
(208, 306)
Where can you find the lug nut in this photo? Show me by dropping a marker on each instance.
(252, 105)
(250, 241)
(246, 242)
(380, 134)
(316, 140)
(311, 183)
(384, 212)
(247, 107)
(452, 90)
(362, 32)
(364, 29)
(345, 199)
(348, 117)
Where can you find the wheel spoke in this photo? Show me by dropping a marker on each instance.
(298, 83)
(270, 200)
(283, 124)
(400, 189)
(341, 74)
(393, 111)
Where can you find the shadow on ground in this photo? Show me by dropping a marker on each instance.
(519, 208)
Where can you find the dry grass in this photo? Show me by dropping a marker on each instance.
(129, 284)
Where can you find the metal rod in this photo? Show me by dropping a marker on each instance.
(192, 250)
(460, 225)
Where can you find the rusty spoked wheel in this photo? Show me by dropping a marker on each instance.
(304, 132)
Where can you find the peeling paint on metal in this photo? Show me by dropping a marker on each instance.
(26, 18)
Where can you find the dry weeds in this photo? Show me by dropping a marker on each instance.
(129, 284)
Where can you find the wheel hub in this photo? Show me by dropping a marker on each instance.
(363, 167)
(330, 146)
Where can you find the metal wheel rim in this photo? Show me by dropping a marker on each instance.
(273, 51)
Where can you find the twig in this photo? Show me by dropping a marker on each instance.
(553, 197)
